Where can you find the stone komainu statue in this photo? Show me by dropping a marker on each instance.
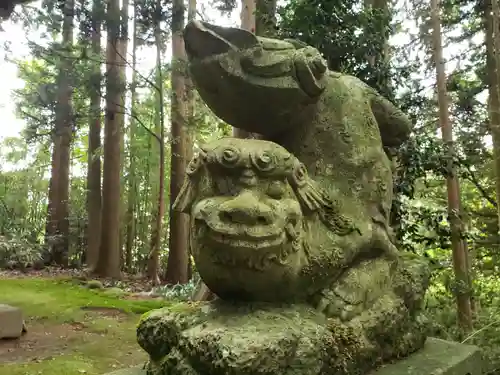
(291, 232)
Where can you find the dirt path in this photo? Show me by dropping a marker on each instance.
(45, 340)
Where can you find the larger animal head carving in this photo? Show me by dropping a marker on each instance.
(251, 203)
(237, 72)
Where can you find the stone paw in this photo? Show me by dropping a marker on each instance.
(334, 305)
(356, 290)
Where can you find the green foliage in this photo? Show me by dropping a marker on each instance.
(36, 102)
(17, 253)
(347, 33)
(177, 292)
(486, 333)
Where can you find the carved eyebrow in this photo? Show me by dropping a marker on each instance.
(278, 173)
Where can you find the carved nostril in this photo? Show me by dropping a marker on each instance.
(263, 220)
(244, 217)
(226, 217)
(236, 216)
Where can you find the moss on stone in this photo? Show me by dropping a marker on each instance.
(300, 218)
(238, 339)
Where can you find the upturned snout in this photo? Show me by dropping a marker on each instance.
(246, 209)
(243, 217)
(202, 39)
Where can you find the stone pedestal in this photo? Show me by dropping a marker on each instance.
(438, 357)
(11, 322)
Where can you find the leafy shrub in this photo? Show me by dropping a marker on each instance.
(441, 309)
(16, 253)
(177, 292)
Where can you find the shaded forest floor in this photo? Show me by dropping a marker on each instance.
(72, 329)
(79, 325)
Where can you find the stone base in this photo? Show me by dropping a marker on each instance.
(438, 357)
(11, 322)
(227, 338)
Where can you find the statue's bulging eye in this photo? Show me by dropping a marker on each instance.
(229, 157)
(264, 162)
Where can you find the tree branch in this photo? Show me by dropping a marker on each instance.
(472, 178)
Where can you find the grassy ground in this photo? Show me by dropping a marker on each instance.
(71, 329)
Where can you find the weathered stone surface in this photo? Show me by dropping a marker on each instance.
(264, 231)
(240, 338)
(334, 123)
(11, 322)
(438, 357)
(291, 232)
(340, 130)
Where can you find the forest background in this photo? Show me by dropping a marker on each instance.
(99, 120)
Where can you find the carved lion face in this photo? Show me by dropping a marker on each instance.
(250, 203)
(246, 229)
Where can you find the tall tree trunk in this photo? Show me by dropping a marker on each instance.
(190, 97)
(265, 18)
(94, 158)
(122, 58)
(145, 203)
(159, 208)
(177, 264)
(191, 122)
(108, 264)
(247, 19)
(62, 145)
(459, 256)
(380, 8)
(247, 15)
(132, 175)
(493, 73)
(53, 197)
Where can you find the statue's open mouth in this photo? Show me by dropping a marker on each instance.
(251, 237)
(245, 253)
(250, 248)
(248, 242)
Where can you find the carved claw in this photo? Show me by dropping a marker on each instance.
(335, 303)
(356, 290)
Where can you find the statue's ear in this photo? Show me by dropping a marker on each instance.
(189, 189)
(298, 44)
(310, 70)
(313, 198)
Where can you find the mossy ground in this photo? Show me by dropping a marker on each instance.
(71, 329)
